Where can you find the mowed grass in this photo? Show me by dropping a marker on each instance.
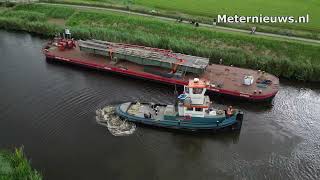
(291, 60)
(61, 12)
(211, 8)
(25, 15)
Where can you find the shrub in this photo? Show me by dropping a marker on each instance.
(19, 167)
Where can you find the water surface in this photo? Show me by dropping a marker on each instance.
(50, 110)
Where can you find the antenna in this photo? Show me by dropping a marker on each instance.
(176, 97)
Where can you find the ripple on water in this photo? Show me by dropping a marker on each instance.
(297, 114)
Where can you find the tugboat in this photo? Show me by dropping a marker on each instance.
(192, 111)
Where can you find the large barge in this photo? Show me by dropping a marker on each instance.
(164, 66)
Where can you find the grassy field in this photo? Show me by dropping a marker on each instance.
(291, 60)
(48, 11)
(206, 10)
(14, 165)
(212, 8)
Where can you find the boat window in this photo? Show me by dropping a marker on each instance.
(186, 89)
(199, 109)
(190, 108)
(197, 90)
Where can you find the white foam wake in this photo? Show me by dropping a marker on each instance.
(116, 126)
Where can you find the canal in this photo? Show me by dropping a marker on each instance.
(50, 108)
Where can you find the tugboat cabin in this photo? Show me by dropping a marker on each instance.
(193, 103)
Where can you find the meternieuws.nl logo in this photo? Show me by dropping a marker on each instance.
(262, 19)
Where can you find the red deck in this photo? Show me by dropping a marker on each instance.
(223, 79)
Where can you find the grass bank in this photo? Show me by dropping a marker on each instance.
(291, 60)
(14, 165)
(205, 11)
(129, 5)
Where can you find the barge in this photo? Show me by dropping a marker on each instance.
(163, 66)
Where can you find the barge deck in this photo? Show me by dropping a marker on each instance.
(223, 79)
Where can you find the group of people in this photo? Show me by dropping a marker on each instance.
(229, 111)
(149, 114)
(196, 24)
(193, 22)
(155, 109)
(253, 30)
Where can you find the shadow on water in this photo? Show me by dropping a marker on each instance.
(223, 136)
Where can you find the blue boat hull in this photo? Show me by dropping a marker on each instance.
(195, 124)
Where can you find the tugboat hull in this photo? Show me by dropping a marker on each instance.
(233, 122)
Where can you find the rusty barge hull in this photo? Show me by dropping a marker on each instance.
(228, 80)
